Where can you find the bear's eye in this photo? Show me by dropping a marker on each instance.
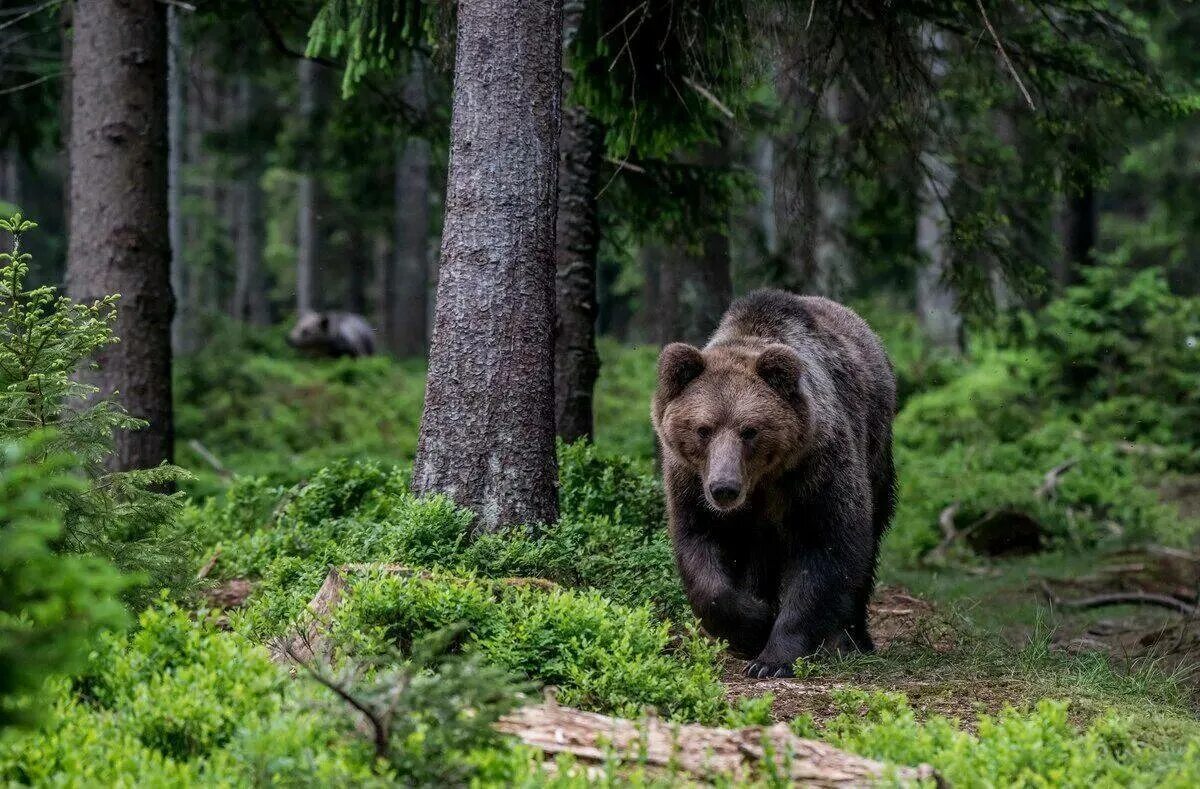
(749, 433)
(704, 431)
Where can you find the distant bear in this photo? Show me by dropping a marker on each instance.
(777, 463)
(333, 334)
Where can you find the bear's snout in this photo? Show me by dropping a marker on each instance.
(725, 491)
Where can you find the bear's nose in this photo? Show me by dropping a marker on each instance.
(725, 491)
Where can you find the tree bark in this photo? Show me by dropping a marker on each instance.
(118, 222)
(1080, 231)
(175, 145)
(406, 307)
(250, 286)
(694, 290)
(487, 434)
(937, 303)
(306, 212)
(576, 362)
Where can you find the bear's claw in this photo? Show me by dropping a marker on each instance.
(761, 669)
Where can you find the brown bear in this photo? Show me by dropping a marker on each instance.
(333, 334)
(777, 463)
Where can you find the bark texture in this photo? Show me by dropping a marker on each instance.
(118, 222)
(576, 362)
(175, 144)
(701, 753)
(487, 433)
(306, 211)
(406, 284)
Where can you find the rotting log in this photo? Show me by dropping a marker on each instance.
(701, 753)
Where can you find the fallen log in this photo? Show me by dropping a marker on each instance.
(700, 752)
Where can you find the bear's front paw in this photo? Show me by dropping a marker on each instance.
(767, 669)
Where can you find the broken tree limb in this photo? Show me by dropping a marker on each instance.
(1052, 477)
(699, 752)
(1121, 598)
(212, 460)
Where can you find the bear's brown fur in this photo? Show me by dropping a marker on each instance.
(777, 463)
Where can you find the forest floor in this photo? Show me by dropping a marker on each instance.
(962, 641)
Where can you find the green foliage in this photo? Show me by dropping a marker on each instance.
(1038, 747)
(601, 655)
(44, 339)
(258, 410)
(181, 702)
(51, 606)
(1124, 343)
(610, 535)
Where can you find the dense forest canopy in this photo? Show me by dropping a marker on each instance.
(329, 332)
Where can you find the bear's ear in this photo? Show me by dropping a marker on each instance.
(780, 366)
(678, 365)
(324, 323)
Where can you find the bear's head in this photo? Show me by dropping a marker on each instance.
(735, 416)
(311, 330)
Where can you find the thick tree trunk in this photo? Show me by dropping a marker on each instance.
(487, 434)
(118, 222)
(175, 143)
(306, 212)
(576, 362)
(407, 301)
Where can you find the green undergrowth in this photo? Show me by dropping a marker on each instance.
(1033, 747)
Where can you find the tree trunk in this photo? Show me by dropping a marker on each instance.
(175, 120)
(358, 259)
(487, 434)
(576, 362)
(937, 303)
(1080, 231)
(306, 218)
(937, 306)
(694, 290)
(407, 289)
(118, 223)
(250, 286)
(832, 276)
(651, 259)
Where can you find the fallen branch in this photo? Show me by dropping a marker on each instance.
(211, 459)
(209, 565)
(1052, 477)
(1120, 598)
(699, 752)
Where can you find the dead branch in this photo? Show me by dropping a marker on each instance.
(212, 460)
(1120, 598)
(209, 565)
(1004, 55)
(380, 729)
(1052, 477)
(700, 752)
